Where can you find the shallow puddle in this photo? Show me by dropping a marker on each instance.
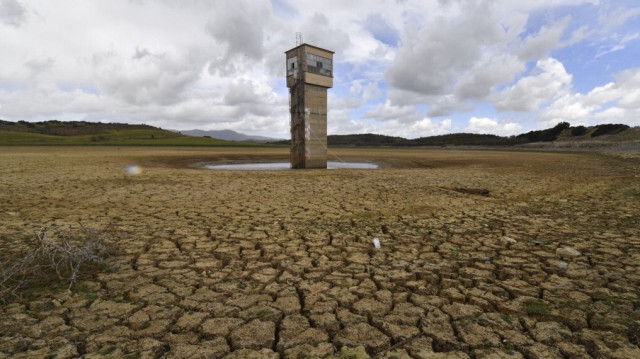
(285, 166)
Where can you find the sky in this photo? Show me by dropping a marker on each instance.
(410, 68)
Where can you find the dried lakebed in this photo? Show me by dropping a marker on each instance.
(483, 254)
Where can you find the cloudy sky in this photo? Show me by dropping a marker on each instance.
(410, 68)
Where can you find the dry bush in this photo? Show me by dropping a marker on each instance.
(49, 260)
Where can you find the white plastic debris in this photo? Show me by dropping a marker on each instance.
(132, 170)
(376, 242)
(562, 267)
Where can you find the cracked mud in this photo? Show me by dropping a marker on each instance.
(484, 254)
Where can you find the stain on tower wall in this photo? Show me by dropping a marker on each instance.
(316, 123)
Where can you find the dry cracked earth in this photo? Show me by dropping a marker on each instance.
(483, 254)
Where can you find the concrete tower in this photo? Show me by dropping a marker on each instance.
(309, 75)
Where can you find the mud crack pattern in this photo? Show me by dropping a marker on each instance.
(282, 264)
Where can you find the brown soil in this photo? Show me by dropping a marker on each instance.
(281, 264)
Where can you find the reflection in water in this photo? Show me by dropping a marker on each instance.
(286, 166)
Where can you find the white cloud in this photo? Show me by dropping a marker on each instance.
(404, 121)
(318, 30)
(389, 112)
(547, 39)
(492, 126)
(12, 13)
(154, 78)
(621, 44)
(432, 58)
(468, 56)
(602, 94)
(548, 80)
(427, 127)
(615, 102)
(365, 90)
(628, 88)
(243, 92)
(492, 69)
(381, 29)
(568, 108)
(618, 17)
(444, 105)
(339, 123)
(240, 27)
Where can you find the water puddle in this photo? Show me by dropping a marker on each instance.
(275, 166)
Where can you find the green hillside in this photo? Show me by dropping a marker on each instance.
(97, 134)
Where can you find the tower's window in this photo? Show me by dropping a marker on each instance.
(291, 65)
(320, 65)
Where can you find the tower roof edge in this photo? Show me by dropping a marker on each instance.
(305, 44)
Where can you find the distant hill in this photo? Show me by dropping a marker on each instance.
(73, 128)
(366, 139)
(229, 135)
(54, 132)
(80, 133)
(563, 132)
(454, 139)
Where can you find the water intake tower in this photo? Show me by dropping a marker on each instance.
(309, 75)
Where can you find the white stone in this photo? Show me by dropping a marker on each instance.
(567, 252)
(509, 240)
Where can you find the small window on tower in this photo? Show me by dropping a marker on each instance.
(291, 65)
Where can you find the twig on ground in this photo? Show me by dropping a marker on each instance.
(399, 344)
(65, 255)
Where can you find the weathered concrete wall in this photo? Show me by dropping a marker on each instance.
(324, 81)
(316, 123)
